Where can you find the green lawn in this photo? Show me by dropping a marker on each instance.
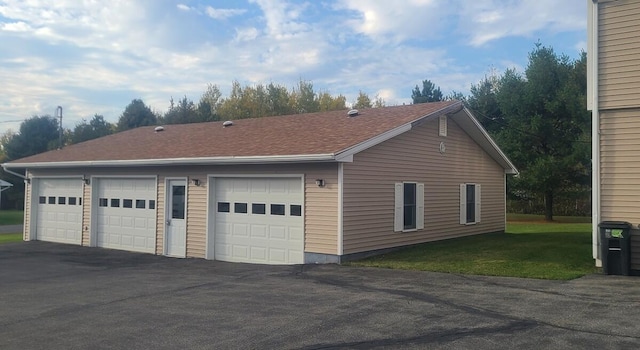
(10, 237)
(11, 217)
(531, 248)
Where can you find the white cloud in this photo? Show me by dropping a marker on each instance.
(483, 21)
(223, 13)
(15, 27)
(282, 19)
(246, 34)
(183, 7)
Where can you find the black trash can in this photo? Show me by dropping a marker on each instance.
(615, 247)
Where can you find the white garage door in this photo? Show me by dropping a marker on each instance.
(59, 210)
(259, 220)
(126, 211)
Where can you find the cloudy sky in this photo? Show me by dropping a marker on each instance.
(95, 56)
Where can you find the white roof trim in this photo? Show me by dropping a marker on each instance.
(177, 161)
(498, 155)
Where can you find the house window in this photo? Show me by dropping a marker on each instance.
(442, 125)
(469, 204)
(409, 207)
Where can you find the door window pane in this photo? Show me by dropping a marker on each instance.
(277, 209)
(62, 200)
(258, 208)
(52, 200)
(296, 210)
(177, 202)
(127, 203)
(115, 202)
(224, 207)
(140, 203)
(152, 204)
(72, 200)
(103, 202)
(240, 208)
(42, 200)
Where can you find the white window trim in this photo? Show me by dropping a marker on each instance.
(399, 207)
(463, 203)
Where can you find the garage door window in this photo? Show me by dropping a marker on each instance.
(224, 207)
(277, 209)
(62, 200)
(52, 200)
(152, 204)
(140, 203)
(258, 208)
(240, 208)
(296, 210)
(103, 202)
(115, 202)
(72, 200)
(42, 200)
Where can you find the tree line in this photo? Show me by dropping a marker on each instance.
(538, 117)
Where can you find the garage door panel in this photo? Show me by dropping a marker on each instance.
(59, 210)
(126, 214)
(256, 225)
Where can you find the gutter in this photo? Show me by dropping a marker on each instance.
(329, 157)
(4, 167)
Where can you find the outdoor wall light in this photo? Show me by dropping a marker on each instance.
(86, 180)
(320, 182)
(196, 182)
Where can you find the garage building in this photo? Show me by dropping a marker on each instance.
(310, 188)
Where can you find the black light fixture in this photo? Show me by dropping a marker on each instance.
(320, 182)
(196, 182)
(86, 180)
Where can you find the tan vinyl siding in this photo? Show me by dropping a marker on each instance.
(321, 211)
(197, 216)
(620, 171)
(86, 215)
(321, 204)
(414, 156)
(619, 54)
(160, 212)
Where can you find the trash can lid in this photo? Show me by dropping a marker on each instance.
(614, 224)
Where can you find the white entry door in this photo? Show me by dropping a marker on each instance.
(176, 225)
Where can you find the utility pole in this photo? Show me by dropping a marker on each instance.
(59, 115)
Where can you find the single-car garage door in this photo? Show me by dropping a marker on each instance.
(259, 220)
(126, 210)
(59, 210)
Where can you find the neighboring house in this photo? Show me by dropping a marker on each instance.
(614, 99)
(309, 188)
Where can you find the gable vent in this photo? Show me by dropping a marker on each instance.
(159, 129)
(352, 113)
(227, 123)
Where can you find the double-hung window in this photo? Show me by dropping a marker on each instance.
(409, 206)
(469, 203)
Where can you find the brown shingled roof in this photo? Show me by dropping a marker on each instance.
(302, 134)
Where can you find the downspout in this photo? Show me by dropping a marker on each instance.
(595, 130)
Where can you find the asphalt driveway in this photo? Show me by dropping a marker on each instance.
(65, 297)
